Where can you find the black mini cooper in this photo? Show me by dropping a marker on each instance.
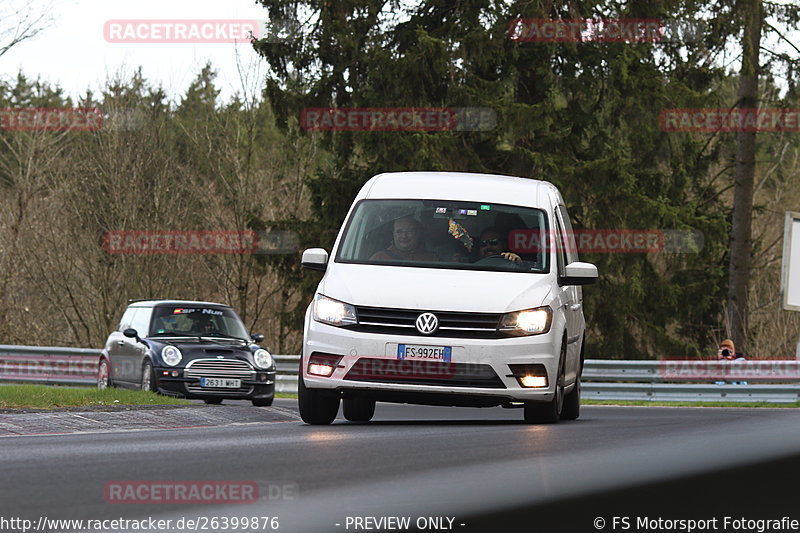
(196, 350)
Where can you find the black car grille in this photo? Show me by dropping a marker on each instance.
(413, 372)
(218, 368)
(451, 324)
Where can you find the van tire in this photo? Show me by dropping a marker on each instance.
(550, 412)
(317, 407)
(572, 403)
(358, 409)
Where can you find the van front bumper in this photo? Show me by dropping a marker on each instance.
(479, 371)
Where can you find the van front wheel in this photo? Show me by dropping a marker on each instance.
(317, 407)
(358, 409)
(550, 412)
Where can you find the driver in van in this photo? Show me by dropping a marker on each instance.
(407, 243)
(491, 242)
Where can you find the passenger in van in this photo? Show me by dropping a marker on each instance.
(407, 243)
(492, 242)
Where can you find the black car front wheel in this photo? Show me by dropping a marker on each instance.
(148, 377)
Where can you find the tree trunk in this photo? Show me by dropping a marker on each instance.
(739, 269)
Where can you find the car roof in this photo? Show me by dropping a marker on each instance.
(463, 186)
(157, 303)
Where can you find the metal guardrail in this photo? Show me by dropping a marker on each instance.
(50, 365)
(778, 381)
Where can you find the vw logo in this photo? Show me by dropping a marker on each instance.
(427, 323)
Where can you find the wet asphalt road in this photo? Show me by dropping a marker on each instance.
(411, 459)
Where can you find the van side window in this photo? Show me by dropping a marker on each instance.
(571, 249)
(560, 247)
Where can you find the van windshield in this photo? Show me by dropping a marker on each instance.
(446, 234)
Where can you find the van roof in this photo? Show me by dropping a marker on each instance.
(462, 186)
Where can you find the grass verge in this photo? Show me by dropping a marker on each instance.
(47, 397)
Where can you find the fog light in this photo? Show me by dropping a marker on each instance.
(532, 376)
(533, 381)
(323, 364)
(261, 376)
(175, 373)
(321, 370)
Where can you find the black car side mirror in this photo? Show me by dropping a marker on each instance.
(133, 334)
(257, 338)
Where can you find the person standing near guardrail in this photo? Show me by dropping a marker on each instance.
(727, 352)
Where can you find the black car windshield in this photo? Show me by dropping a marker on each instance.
(446, 234)
(197, 321)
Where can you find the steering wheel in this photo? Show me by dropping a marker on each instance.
(495, 260)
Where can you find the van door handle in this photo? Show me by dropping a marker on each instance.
(575, 307)
(120, 343)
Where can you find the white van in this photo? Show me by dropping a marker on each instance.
(447, 289)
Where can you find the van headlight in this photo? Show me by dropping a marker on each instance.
(262, 358)
(171, 355)
(333, 312)
(528, 321)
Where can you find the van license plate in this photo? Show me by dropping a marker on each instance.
(427, 353)
(221, 383)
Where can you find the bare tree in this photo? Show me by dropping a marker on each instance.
(20, 21)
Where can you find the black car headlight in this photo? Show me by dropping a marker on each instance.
(262, 358)
(171, 355)
(528, 321)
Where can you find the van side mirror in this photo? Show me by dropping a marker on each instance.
(315, 259)
(578, 273)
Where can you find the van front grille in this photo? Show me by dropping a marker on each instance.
(451, 323)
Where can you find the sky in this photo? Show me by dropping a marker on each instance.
(73, 52)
